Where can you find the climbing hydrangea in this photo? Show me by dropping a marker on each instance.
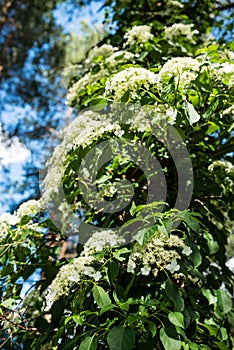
(159, 252)
(81, 266)
(130, 79)
(30, 207)
(138, 35)
(224, 72)
(184, 69)
(104, 50)
(179, 29)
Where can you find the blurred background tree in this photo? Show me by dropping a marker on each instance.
(34, 50)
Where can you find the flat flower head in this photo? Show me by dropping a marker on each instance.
(138, 35)
(130, 79)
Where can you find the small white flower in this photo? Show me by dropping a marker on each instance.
(97, 276)
(187, 251)
(75, 277)
(131, 266)
(173, 266)
(145, 270)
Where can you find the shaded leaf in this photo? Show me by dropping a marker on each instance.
(121, 338)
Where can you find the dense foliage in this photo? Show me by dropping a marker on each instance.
(149, 274)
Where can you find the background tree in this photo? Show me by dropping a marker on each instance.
(32, 58)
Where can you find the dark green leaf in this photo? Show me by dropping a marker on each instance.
(89, 343)
(121, 338)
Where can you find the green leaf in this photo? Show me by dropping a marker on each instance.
(176, 318)
(215, 104)
(79, 319)
(213, 246)
(89, 343)
(224, 333)
(152, 328)
(224, 301)
(169, 343)
(212, 128)
(113, 270)
(139, 236)
(100, 296)
(193, 346)
(9, 303)
(117, 253)
(106, 308)
(175, 295)
(25, 219)
(98, 103)
(121, 338)
(209, 296)
(196, 256)
(192, 114)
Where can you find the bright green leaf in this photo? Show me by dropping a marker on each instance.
(176, 318)
(224, 301)
(193, 116)
(169, 343)
(100, 296)
(210, 297)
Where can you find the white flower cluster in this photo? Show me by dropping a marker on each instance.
(184, 69)
(118, 58)
(107, 190)
(6, 221)
(87, 128)
(179, 29)
(175, 3)
(102, 239)
(80, 267)
(228, 167)
(109, 64)
(130, 79)
(89, 79)
(224, 72)
(138, 35)
(150, 116)
(81, 132)
(67, 275)
(30, 207)
(104, 50)
(158, 253)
